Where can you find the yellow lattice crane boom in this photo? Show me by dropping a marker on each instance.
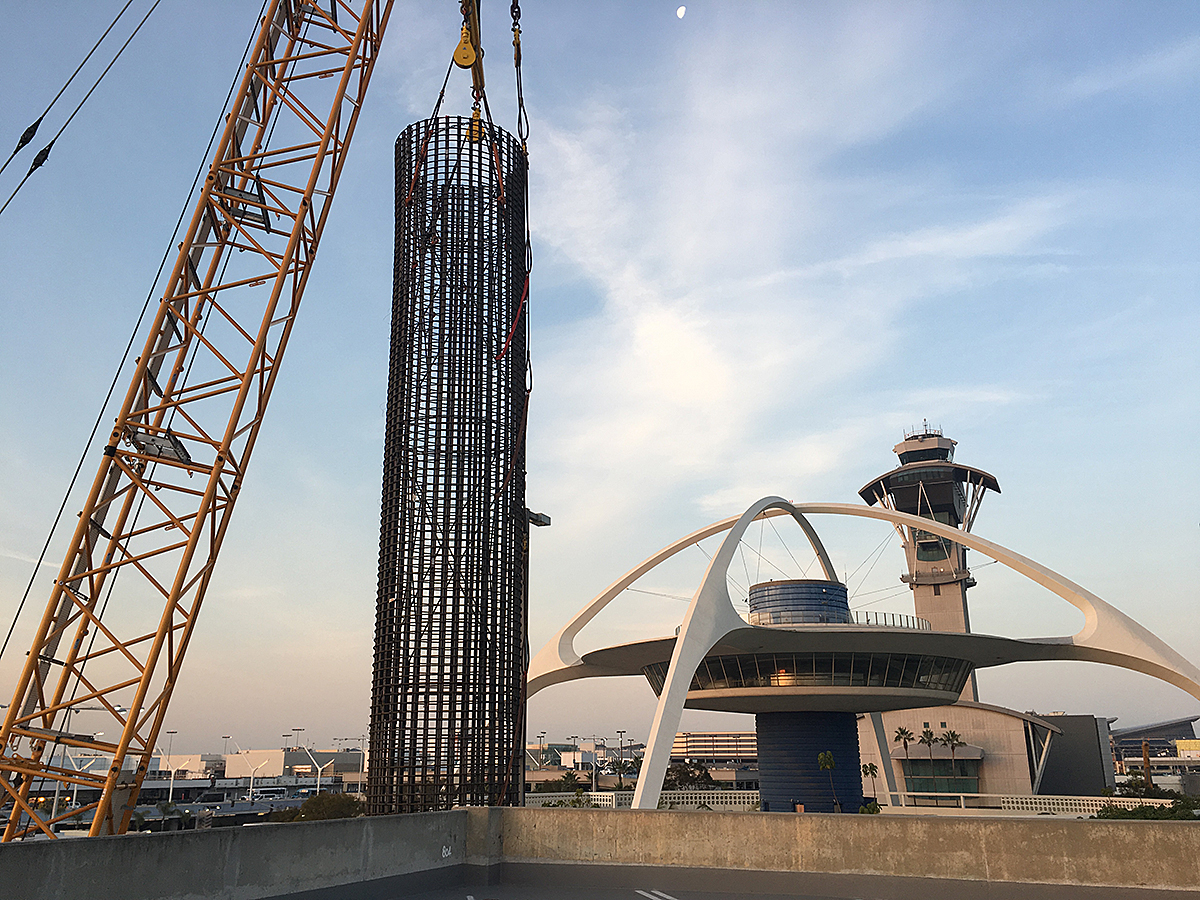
(174, 461)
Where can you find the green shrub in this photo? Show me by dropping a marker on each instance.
(1184, 808)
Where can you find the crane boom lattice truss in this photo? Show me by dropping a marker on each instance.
(175, 458)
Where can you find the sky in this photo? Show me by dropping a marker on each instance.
(768, 239)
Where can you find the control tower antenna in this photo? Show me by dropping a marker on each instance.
(930, 484)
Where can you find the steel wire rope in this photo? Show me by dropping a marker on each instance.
(895, 593)
(803, 569)
(758, 564)
(28, 134)
(762, 558)
(745, 566)
(890, 587)
(44, 153)
(660, 594)
(877, 553)
(129, 345)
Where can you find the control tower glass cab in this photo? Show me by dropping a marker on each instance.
(928, 483)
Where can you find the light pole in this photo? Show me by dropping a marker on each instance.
(541, 749)
(595, 758)
(574, 751)
(362, 758)
(297, 730)
(252, 771)
(620, 758)
(170, 745)
(317, 766)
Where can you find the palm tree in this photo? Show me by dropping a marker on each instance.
(953, 740)
(928, 739)
(902, 736)
(825, 761)
(870, 770)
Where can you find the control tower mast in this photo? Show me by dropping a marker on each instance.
(930, 484)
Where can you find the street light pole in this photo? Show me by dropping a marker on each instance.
(252, 771)
(362, 758)
(620, 758)
(596, 759)
(170, 745)
(317, 766)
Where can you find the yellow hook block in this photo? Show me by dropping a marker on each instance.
(464, 53)
(475, 129)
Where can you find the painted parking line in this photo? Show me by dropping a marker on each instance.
(656, 895)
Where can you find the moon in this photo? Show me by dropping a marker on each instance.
(681, 11)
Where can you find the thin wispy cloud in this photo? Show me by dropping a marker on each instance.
(1161, 68)
(19, 557)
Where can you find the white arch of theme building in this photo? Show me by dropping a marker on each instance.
(1108, 636)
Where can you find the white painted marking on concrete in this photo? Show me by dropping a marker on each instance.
(663, 896)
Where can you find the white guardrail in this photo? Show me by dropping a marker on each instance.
(749, 800)
(1057, 805)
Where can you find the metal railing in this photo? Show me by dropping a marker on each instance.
(916, 802)
(715, 800)
(890, 620)
(868, 618)
(1054, 804)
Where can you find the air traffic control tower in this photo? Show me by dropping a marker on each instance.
(930, 484)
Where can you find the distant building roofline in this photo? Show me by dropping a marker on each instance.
(1137, 729)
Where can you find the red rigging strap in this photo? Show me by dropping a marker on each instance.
(516, 321)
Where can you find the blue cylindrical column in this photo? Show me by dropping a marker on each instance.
(788, 772)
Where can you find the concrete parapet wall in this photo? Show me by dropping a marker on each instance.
(1160, 854)
(257, 862)
(245, 863)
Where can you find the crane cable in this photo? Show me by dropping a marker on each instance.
(522, 117)
(128, 347)
(27, 135)
(44, 153)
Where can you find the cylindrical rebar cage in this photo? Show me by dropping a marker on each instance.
(447, 710)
